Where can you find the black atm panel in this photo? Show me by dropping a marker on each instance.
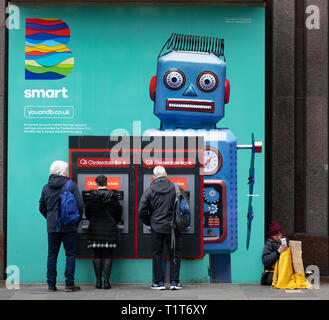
(192, 182)
(89, 157)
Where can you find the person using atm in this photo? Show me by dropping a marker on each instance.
(104, 212)
(156, 211)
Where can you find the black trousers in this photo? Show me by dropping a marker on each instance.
(158, 242)
(267, 278)
(102, 253)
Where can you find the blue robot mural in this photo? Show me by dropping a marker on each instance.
(190, 91)
(190, 88)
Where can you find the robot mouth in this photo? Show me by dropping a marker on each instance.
(190, 105)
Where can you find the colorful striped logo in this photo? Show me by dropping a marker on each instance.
(46, 54)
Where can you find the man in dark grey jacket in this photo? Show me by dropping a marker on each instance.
(156, 211)
(48, 205)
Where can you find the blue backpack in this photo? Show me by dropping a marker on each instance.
(181, 217)
(67, 209)
(182, 214)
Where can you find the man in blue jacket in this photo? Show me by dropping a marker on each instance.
(48, 206)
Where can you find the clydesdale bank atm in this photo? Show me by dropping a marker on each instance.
(128, 164)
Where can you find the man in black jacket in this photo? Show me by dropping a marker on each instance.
(48, 206)
(156, 211)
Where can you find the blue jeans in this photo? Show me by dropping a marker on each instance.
(54, 244)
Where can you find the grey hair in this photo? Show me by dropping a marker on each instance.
(59, 167)
(159, 171)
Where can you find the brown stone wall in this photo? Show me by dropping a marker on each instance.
(299, 176)
(283, 113)
(316, 84)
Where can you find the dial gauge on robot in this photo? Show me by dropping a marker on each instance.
(212, 160)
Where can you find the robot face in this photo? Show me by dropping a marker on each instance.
(190, 88)
(207, 81)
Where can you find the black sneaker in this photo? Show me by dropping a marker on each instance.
(175, 285)
(158, 286)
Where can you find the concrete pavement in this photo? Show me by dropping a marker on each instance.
(218, 291)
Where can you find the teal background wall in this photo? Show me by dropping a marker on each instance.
(115, 51)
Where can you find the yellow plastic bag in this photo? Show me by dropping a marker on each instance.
(284, 276)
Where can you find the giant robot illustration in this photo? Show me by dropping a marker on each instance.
(190, 91)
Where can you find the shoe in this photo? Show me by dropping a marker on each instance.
(72, 288)
(52, 289)
(98, 272)
(107, 266)
(158, 286)
(174, 285)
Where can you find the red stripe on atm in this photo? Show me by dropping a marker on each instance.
(136, 208)
(201, 210)
(114, 257)
(165, 257)
(70, 164)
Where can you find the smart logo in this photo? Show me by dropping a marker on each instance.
(46, 54)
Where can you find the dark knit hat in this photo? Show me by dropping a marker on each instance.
(274, 228)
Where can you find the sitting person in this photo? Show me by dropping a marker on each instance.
(272, 251)
(278, 263)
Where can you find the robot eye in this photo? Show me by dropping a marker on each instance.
(174, 79)
(207, 81)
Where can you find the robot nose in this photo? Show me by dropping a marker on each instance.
(190, 91)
